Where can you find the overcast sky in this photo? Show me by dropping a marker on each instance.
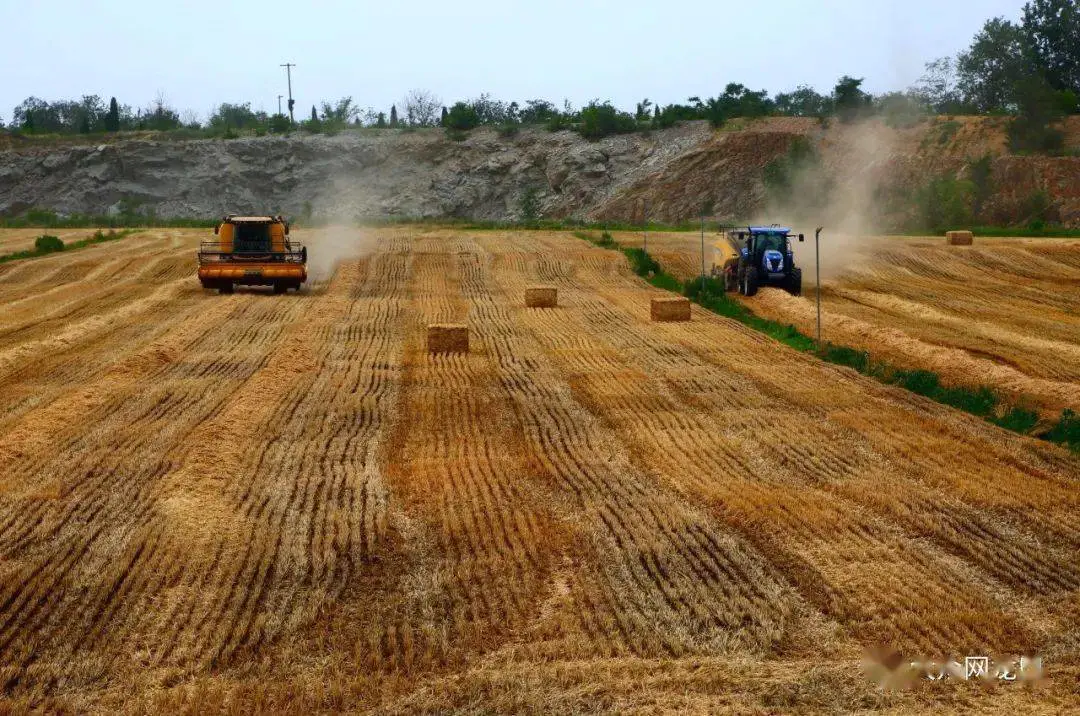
(201, 53)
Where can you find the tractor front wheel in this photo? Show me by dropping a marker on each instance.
(280, 288)
(749, 282)
(794, 282)
(226, 288)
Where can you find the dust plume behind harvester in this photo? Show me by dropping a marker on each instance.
(252, 251)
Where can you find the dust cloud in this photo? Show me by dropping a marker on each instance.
(328, 246)
(334, 236)
(838, 190)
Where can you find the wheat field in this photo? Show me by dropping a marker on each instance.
(285, 503)
(1004, 312)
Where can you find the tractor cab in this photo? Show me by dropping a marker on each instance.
(766, 257)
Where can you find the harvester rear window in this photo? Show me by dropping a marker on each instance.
(252, 238)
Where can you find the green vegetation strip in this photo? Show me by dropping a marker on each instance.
(980, 401)
(45, 245)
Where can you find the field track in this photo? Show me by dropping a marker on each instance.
(284, 502)
(1004, 312)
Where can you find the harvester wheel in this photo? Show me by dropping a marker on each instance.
(280, 288)
(226, 288)
(794, 283)
(750, 282)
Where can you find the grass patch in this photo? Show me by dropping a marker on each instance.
(980, 401)
(41, 219)
(46, 244)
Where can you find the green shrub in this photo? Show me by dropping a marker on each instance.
(698, 289)
(603, 120)
(456, 135)
(1018, 420)
(530, 205)
(462, 117)
(641, 262)
(47, 244)
(1067, 430)
(945, 203)
(846, 356)
(508, 130)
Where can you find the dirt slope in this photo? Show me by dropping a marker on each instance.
(284, 503)
(874, 171)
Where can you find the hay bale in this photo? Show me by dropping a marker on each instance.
(959, 238)
(673, 308)
(541, 297)
(447, 338)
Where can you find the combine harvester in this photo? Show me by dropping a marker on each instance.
(757, 256)
(252, 251)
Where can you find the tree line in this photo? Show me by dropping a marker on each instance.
(1029, 69)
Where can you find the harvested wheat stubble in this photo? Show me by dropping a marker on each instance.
(541, 297)
(671, 309)
(959, 238)
(448, 338)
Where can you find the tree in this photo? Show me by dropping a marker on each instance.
(393, 116)
(849, 98)
(160, 116)
(462, 116)
(341, 113)
(112, 118)
(602, 119)
(1051, 31)
(937, 87)
(237, 116)
(421, 108)
(443, 120)
(314, 114)
(643, 112)
(537, 111)
(381, 121)
(804, 101)
(990, 72)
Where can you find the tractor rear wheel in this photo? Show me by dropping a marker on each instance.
(749, 282)
(226, 288)
(794, 282)
(280, 288)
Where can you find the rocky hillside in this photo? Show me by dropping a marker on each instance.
(868, 167)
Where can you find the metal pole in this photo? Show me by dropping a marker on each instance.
(703, 252)
(279, 103)
(817, 268)
(288, 73)
(645, 228)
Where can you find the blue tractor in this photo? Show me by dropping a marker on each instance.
(764, 257)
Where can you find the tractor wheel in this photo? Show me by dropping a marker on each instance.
(794, 282)
(226, 288)
(280, 288)
(749, 282)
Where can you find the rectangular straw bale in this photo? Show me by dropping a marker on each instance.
(448, 338)
(541, 297)
(959, 238)
(671, 309)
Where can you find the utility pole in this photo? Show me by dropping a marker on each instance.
(645, 229)
(279, 103)
(817, 267)
(288, 72)
(703, 251)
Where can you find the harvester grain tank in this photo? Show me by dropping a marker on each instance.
(252, 251)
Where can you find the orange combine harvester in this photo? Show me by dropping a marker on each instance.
(252, 251)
